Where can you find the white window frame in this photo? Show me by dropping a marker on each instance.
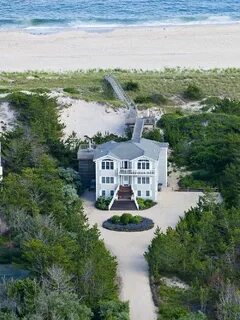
(107, 165)
(107, 180)
(143, 180)
(103, 193)
(139, 193)
(143, 165)
(149, 193)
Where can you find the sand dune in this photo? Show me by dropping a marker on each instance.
(88, 118)
(204, 46)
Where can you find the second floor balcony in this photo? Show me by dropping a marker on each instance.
(136, 172)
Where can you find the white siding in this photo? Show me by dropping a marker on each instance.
(162, 167)
(152, 187)
(106, 173)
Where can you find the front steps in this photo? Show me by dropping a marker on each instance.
(127, 205)
(124, 193)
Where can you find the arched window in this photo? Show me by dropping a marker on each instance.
(107, 164)
(143, 164)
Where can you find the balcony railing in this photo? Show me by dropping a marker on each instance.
(136, 172)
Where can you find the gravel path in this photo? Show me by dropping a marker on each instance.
(130, 247)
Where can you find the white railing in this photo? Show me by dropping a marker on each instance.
(134, 198)
(136, 172)
(114, 197)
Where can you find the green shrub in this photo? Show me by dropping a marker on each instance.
(4, 90)
(102, 203)
(126, 218)
(193, 92)
(135, 224)
(189, 182)
(41, 90)
(155, 98)
(172, 302)
(194, 316)
(143, 99)
(144, 203)
(159, 99)
(71, 90)
(136, 219)
(154, 134)
(114, 310)
(211, 101)
(141, 203)
(170, 312)
(115, 219)
(131, 86)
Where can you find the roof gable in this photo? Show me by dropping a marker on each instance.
(130, 149)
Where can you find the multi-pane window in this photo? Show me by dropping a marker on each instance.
(107, 165)
(147, 193)
(143, 164)
(107, 179)
(103, 193)
(143, 180)
(111, 193)
(139, 193)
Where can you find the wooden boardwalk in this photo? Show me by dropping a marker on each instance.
(119, 92)
(132, 118)
(138, 130)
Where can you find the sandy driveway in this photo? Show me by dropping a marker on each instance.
(130, 247)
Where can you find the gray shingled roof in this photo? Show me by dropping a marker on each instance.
(130, 150)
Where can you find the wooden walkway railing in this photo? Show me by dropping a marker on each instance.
(119, 92)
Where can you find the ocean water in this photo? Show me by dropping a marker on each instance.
(53, 15)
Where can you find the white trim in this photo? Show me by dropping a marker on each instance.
(145, 158)
(150, 193)
(141, 180)
(106, 157)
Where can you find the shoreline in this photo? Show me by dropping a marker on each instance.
(147, 48)
(111, 28)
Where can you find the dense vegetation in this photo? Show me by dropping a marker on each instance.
(203, 249)
(89, 85)
(72, 275)
(208, 144)
(193, 92)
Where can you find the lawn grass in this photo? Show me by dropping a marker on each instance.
(89, 85)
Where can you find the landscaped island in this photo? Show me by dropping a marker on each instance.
(128, 223)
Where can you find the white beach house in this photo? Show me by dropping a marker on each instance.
(127, 170)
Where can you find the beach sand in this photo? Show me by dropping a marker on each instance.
(88, 118)
(202, 46)
(7, 117)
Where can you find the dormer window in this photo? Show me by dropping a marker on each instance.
(143, 164)
(107, 164)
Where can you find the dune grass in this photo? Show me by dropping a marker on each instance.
(89, 85)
